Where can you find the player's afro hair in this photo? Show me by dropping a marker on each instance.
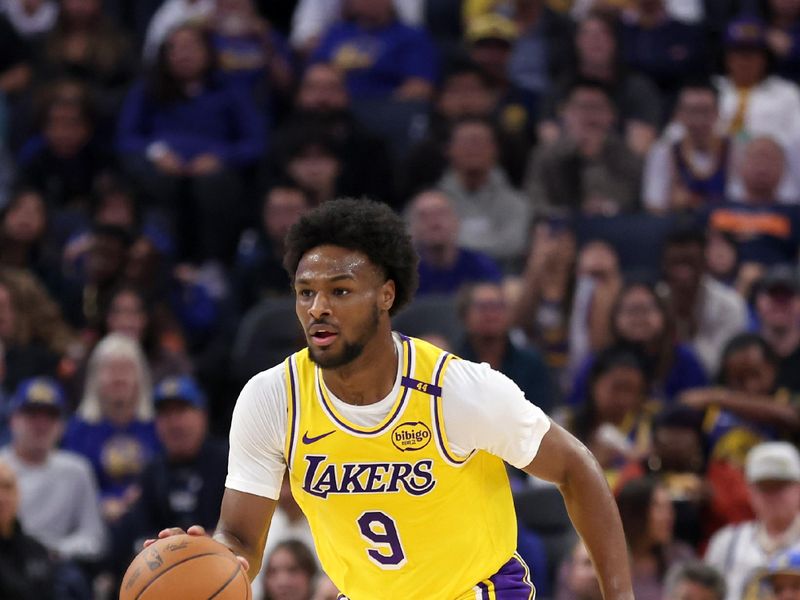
(365, 226)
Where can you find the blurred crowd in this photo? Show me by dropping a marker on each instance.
(605, 196)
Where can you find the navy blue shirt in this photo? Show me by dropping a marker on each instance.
(469, 266)
(221, 120)
(666, 53)
(378, 61)
(768, 235)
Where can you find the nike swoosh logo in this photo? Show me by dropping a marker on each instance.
(311, 440)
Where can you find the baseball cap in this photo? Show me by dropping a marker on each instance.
(183, 388)
(38, 392)
(746, 33)
(780, 279)
(491, 26)
(778, 461)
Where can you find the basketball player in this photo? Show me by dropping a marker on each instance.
(394, 447)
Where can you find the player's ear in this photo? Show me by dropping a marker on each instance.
(386, 295)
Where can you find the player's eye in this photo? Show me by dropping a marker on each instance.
(340, 292)
(305, 293)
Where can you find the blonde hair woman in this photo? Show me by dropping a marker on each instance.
(113, 426)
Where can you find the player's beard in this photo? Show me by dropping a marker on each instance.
(350, 350)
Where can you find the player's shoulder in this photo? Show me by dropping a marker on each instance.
(267, 388)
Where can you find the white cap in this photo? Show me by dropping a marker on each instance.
(778, 461)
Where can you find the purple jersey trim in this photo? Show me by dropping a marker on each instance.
(294, 404)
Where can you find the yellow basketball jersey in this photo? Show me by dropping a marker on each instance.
(394, 513)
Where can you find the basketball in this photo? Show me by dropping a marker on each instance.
(188, 567)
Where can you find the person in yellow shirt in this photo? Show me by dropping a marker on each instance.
(396, 448)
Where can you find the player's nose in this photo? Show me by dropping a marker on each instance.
(319, 306)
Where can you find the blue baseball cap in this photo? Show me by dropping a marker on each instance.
(746, 33)
(38, 392)
(183, 388)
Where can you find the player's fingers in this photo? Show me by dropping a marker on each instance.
(147, 543)
(196, 530)
(169, 532)
(243, 561)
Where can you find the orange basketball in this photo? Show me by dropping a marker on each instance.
(185, 567)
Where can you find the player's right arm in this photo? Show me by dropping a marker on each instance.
(243, 525)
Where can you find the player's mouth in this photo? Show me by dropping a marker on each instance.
(322, 336)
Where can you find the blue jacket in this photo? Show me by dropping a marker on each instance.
(221, 120)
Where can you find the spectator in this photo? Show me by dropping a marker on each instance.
(24, 354)
(314, 162)
(641, 319)
(707, 493)
(613, 420)
(766, 232)
(30, 19)
(542, 46)
(444, 266)
(648, 519)
(782, 19)
(598, 280)
(290, 571)
(58, 492)
(465, 91)
(258, 270)
(323, 104)
(65, 158)
(26, 570)
(739, 551)
(484, 311)
(87, 298)
(691, 172)
(707, 314)
(577, 577)
(491, 39)
(150, 324)
(754, 103)
(113, 426)
(722, 259)
(544, 307)
(589, 169)
(87, 46)
(694, 581)
(379, 55)
(23, 236)
(665, 49)
(171, 15)
(777, 307)
(745, 408)
(183, 486)
(185, 131)
(251, 51)
(636, 100)
(494, 216)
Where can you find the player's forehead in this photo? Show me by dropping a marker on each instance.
(333, 262)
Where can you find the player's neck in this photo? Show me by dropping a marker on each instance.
(370, 377)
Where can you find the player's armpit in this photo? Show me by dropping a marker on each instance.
(243, 525)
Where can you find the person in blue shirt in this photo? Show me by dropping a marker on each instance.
(185, 135)
(380, 56)
(113, 427)
(444, 266)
